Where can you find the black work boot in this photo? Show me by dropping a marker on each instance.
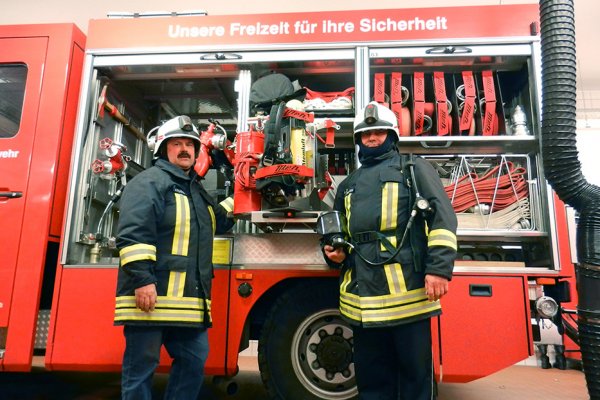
(560, 360)
(545, 360)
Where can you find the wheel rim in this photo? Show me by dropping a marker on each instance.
(322, 356)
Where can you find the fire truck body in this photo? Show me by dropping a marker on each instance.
(271, 283)
(41, 72)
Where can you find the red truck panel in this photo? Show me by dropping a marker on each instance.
(474, 346)
(53, 54)
(82, 334)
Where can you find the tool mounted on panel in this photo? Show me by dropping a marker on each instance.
(113, 111)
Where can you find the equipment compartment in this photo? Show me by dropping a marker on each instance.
(329, 85)
(499, 209)
(491, 192)
(461, 98)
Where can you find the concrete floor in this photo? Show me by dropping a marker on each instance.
(520, 382)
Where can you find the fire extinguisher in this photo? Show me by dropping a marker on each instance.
(248, 151)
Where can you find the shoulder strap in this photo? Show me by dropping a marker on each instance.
(408, 163)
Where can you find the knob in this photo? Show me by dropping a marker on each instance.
(245, 289)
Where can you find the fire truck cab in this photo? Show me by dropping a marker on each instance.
(467, 96)
(40, 75)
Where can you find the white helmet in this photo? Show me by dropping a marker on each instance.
(180, 126)
(374, 117)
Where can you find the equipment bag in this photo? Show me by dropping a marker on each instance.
(271, 89)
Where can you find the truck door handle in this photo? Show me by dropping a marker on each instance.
(221, 56)
(448, 50)
(480, 290)
(11, 195)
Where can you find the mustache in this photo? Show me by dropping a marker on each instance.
(184, 154)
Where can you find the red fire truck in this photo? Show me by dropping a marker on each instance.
(75, 114)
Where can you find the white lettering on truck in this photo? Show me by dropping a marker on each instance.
(9, 153)
(392, 25)
(258, 29)
(178, 31)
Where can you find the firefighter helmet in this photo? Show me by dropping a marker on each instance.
(375, 117)
(180, 126)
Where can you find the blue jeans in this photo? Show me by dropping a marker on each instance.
(187, 346)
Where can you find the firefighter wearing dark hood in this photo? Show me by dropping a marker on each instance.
(390, 300)
(165, 234)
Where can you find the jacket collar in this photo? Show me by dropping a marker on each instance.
(369, 162)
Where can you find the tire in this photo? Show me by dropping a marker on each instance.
(305, 348)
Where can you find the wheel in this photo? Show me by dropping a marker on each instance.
(305, 348)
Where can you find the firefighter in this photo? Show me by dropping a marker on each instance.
(165, 234)
(390, 287)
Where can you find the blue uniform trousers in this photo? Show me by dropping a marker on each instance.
(394, 363)
(187, 346)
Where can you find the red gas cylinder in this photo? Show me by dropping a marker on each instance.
(248, 150)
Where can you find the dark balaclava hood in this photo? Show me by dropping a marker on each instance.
(370, 155)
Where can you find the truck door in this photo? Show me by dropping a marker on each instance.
(21, 66)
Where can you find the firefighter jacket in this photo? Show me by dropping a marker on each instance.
(165, 235)
(377, 200)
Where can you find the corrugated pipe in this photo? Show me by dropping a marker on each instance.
(563, 171)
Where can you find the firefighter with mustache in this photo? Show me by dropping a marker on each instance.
(165, 234)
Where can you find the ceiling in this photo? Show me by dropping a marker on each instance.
(587, 31)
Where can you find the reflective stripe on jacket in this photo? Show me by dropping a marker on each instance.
(166, 228)
(377, 200)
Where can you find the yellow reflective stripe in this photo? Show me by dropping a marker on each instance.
(347, 203)
(392, 240)
(389, 206)
(176, 283)
(391, 313)
(159, 315)
(406, 311)
(227, 204)
(346, 281)
(212, 219)
(350, 312)
(383, 301)
(168, 309)
(442, 237)
(192, 303)
(181, 236)
(389, 210)
(137, 252)
(395, 278)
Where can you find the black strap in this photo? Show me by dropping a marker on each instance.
(273, 134)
